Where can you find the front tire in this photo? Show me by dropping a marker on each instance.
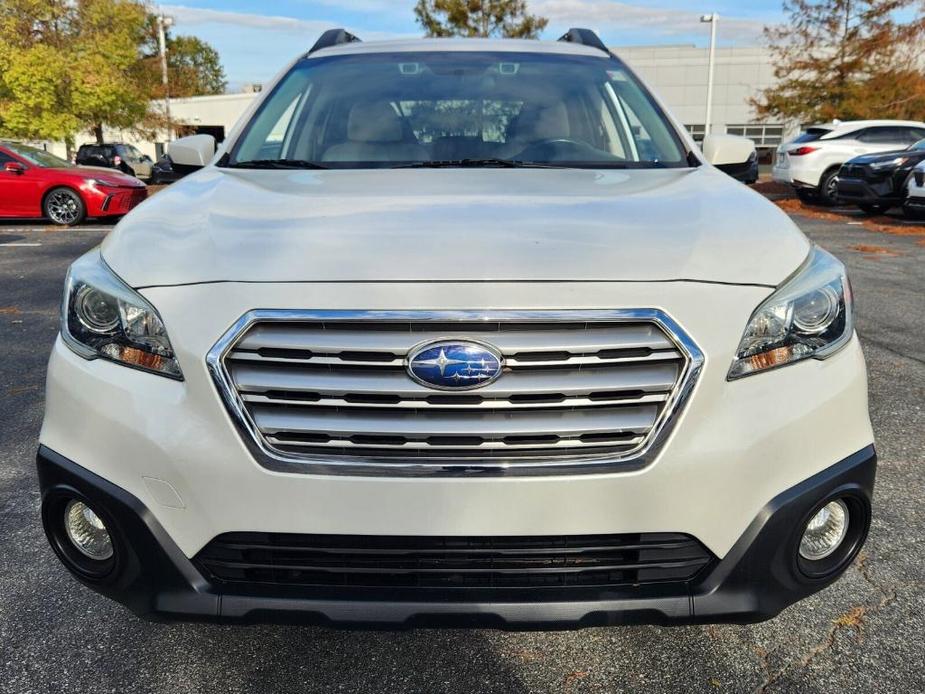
(913, 213)
(64, 206)
(828, 188)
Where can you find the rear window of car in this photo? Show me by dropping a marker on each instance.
(812, 134)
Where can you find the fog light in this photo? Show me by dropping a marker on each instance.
(825, 531)
(86, 531)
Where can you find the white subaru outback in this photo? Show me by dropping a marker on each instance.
(458, 332)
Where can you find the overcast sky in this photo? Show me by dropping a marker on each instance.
(256, 39)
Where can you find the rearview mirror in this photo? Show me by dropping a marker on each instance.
(194, 151)
(14, 167)
(725, 150)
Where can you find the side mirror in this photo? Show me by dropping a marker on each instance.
(14, 167)
(733, 155)
(194, 151)
(726, 150)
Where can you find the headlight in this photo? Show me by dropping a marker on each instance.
(810, 315)
(103, 317)
(104, 184)
(880, 165)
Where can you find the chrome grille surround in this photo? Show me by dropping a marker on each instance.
(495, 454)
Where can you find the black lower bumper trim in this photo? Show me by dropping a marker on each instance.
(858, 191)
(757, 579)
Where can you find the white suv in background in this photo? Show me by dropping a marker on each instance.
(914, 207)
(810, 162)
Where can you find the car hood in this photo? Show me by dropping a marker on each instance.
(103, 174)
(456, 224)
(883, 156)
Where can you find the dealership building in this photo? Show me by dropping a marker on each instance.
(678, 74)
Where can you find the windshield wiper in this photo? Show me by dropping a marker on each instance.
(276, 164)
(475, 163)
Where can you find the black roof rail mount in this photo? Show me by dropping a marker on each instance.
(333, 37)
(585, 37)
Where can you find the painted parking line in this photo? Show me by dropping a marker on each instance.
(21, 245)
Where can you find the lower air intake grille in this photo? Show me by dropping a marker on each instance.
(334, 387)
(349, 561)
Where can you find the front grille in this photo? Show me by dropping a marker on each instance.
(340, 389)
(852, 171)
(346, 561)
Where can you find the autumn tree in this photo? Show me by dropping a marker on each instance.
(67, 66)
(193, 66)
(846, 59)
(472, 18)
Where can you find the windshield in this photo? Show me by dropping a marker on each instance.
(37, 157)
(459, 108)
(918, 146)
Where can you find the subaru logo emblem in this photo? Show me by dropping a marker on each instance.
(455, 364)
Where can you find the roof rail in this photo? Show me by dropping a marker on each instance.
(585, 37)
(333, 37)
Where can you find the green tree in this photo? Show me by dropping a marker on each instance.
(193, 66)
(67, 66)
(846, 59)
(485, 18)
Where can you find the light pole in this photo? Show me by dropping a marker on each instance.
(163, 23)
(712, 20)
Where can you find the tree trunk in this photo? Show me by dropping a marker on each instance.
(98, 133)
(69, 147)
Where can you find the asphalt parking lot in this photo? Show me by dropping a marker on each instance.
(864, 634)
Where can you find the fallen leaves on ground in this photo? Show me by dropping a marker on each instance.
(873, 250)
(881, 224)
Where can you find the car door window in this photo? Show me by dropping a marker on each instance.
(884, 136)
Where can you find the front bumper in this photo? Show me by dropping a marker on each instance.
(756, 579)
(172, 445)
(863, 192)
(104, 201)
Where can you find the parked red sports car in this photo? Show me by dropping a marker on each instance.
(34, 183)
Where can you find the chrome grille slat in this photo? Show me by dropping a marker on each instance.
(635, 419)
(512, 362)
(327, 340)
(491, 404)
(656, 378)
(581, 391)
(424, 445)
